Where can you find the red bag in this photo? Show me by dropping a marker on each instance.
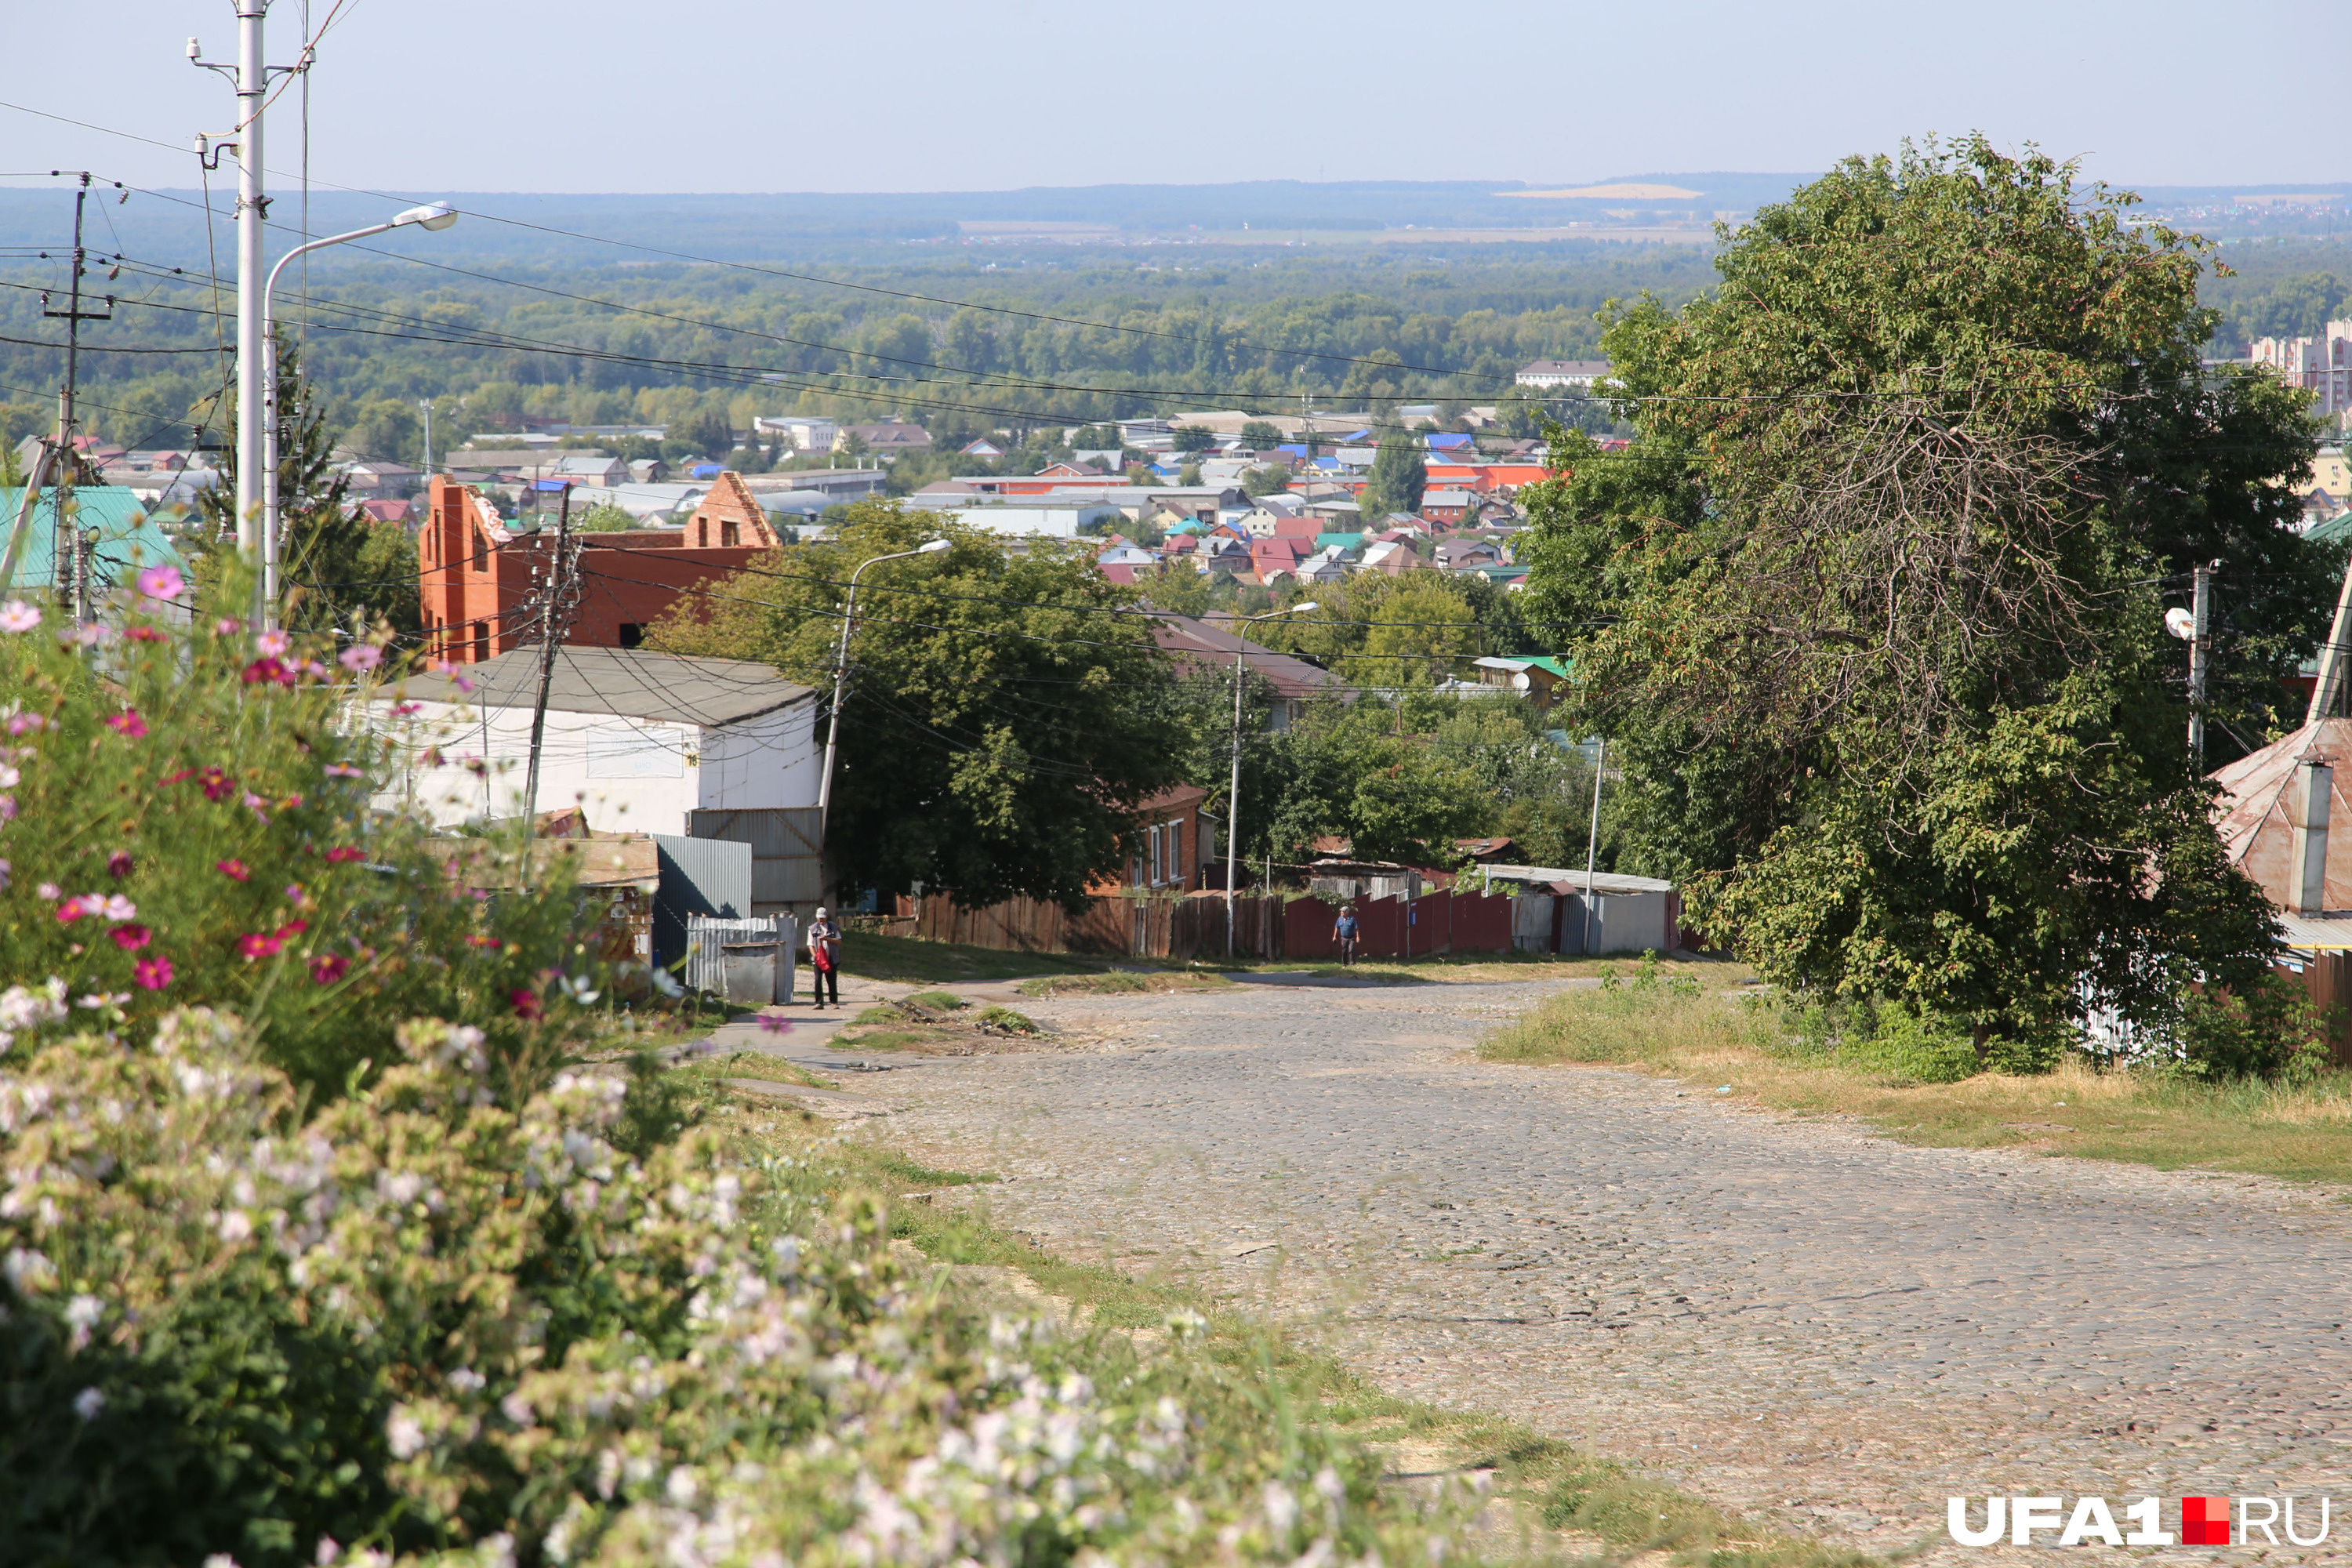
(821, 958)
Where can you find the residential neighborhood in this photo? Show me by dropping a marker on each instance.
(1487, 840)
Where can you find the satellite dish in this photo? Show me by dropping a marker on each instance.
(2180, 624)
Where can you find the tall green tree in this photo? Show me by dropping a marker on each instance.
(1000, 728)
(1399, 477)
(336, 565)
(1884, 575)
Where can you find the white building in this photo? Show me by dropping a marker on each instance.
(2321, 366)
(1565, 374)
(1046, 522)
(637, 739)
(806, 434)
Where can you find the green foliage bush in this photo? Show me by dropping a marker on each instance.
(2266, 1029)
(185, 815)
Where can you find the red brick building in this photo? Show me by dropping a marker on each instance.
(477, 574)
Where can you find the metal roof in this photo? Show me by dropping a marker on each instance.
(1603, 881)
(125, 533)
(630, 683)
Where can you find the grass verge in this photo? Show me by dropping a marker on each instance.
(1120, 982)
(1259, 1386)
(1494, 966)
(2298, 1132)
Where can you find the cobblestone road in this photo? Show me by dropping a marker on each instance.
(1790, 1317)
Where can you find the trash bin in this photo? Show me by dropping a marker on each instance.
(749, 970)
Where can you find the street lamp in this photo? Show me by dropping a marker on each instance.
(1233, 795)
(433, 215)
(840, 675)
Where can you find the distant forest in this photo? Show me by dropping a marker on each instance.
(964, 340)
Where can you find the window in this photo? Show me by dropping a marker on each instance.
(632, 634)
(482, 642)
(730, 534)
(702, 533)
(481, 551)
(1174, 855)
(1151, 837)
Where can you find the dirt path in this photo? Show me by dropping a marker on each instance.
(1792, 1317)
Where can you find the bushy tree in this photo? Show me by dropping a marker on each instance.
(1399, 477)
(1000, 728)
(1884, 573)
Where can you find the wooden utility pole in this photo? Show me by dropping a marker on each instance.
(554, 623)
(65, 547)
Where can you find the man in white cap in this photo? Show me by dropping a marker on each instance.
(825, 957)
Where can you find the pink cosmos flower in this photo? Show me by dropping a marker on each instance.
(526, 1002)
(327, 968)
(217, 784)
(130, 939)
(462, 682)
(345, 854)
(7, 808)
(69, 911)
(360, 659)
(293, 928)
(17, 616)
(235, 870)
(146, 634)
(227, 627)
(258, 944)
(118, 865)
(152, 973)
(48, 890)
(402, 710)
(162, 582)
(340, 771)
(264, 671)
(128, 725)
(89, 635)
(18, 723)
(272, 644)
(114, 906)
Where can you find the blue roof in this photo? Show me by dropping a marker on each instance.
(1187, 526)
(127, 538)
(1330, 465)
(1344, 540)
(1447, 443)
(704, 471)
(1299, 450)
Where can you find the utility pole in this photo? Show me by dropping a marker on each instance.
(1593, 840)
(426, 405)
(2201, 660)
(255, 358)
(63, 549)
(554, 625)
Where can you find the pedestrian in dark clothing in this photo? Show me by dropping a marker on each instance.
(1343, 931)
(825, 958)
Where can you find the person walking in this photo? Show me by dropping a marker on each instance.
(825, 958)
(1343, 931)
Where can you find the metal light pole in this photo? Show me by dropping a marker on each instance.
(840, 679)
(264, 411)
(251, 74)
(1233, 795)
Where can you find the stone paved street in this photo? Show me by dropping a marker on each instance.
(1792, 1317)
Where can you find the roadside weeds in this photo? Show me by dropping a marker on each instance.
(2295, 1132)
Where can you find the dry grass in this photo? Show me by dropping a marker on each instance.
(2299, 1132)
(1497, 966)
(1119, 981)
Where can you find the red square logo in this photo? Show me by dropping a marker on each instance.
(2204, 1521)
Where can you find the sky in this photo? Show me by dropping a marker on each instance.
(944, 95)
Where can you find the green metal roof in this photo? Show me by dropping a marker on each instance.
(127, 538)
(1344, 540)
(2335, 528)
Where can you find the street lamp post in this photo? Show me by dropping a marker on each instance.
(435, 215)
(840, 678)
(1233, 795)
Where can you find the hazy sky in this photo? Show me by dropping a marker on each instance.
(924, 95)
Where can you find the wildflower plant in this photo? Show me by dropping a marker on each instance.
(185, 819)
(421, 1321)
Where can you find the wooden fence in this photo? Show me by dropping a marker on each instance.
(1270, 926)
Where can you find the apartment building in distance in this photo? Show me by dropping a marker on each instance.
(2320, 365)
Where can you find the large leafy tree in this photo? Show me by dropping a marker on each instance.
(1883, 575)
(1000, 728)
(1400, 475)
